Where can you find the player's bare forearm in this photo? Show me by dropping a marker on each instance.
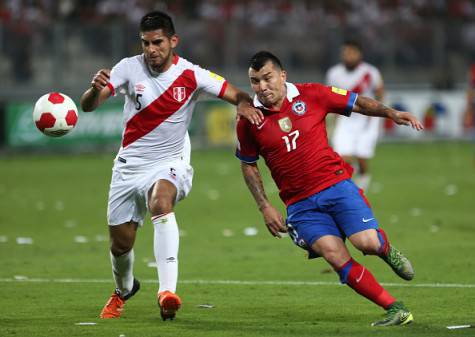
(272, 217)
(253, 179)
(98, 92)
(370, 107)
(90, 100)
(244, 104)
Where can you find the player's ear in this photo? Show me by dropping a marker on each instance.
(174, 41)
(283, 73)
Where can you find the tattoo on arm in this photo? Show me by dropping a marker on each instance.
(370, 107)
(253, 180)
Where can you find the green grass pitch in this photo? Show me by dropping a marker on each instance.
(423, 196)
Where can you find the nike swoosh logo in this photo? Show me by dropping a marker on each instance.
(360, 277)
(260, 126)
(367, 220)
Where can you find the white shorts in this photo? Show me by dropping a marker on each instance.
(128, 193)
(356, 135)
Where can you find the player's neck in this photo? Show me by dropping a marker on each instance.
(163, 67)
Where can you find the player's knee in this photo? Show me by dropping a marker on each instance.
(334, 257)
(121, 244)
(368, 245)
(121, 247)
(161, 205)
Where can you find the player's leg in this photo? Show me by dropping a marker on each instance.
(124, 215)
(161, 202)
(357, 277)
(375, 242)
(360, 279)
(122, 239)
(365, 147)
(364, 177)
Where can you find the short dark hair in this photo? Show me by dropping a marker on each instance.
(353, 43)
(157, 20)
(261, 58)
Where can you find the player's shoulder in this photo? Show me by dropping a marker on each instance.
(243, 122)
(309, 87)
(131, 63)
(369, 67)
(336, 70)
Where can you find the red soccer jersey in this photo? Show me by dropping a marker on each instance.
(293, 141)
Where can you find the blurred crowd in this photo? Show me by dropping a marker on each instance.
(223, 33)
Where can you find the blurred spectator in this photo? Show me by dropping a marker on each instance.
(412, 35)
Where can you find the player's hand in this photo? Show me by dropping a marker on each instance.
(101, 79)
(274, 221)
(252, 114)
(406, 118)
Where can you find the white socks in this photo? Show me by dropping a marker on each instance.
(165, 246)
(122, 270)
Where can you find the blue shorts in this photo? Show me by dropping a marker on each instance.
(340, 210)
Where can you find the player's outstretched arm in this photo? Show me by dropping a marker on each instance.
(370, 107)
(244, 104)
(98, 92)
(272, 217)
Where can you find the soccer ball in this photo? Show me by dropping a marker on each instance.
(55, 114)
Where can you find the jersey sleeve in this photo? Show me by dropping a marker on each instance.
(246, 150)
(210, 82)
(335, 100)
(118, 76)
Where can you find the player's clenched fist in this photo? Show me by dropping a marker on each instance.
(100, 79)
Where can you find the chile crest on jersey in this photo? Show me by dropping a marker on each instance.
(299, 108)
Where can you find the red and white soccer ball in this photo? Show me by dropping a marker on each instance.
(55, 114)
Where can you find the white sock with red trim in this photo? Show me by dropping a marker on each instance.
(122, 270)
(165, 246)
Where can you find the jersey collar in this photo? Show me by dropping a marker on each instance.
(292, 92)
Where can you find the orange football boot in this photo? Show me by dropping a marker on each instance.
(169, 303)
(115, 304)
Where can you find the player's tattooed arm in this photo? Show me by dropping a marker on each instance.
(370, 107)
(272, 217)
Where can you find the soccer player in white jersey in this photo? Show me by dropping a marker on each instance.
(355, 137)
(152, 169)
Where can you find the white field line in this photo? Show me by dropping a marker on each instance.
(234, 282)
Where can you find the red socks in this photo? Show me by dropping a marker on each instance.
(363, 282)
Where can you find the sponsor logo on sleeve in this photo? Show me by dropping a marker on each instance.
(216, 76)
(339, 91)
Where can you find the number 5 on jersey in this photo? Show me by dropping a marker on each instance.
(291, 140)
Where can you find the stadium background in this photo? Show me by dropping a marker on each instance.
(423, 49)
(53, 191)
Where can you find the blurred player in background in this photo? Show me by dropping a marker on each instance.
(152, 169)
(324, 206)
(355, 137)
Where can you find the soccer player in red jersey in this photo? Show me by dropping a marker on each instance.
(152, 170)
(324, 206)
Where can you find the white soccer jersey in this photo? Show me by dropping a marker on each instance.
(358, 134)
(158, 106)
(363, 80)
